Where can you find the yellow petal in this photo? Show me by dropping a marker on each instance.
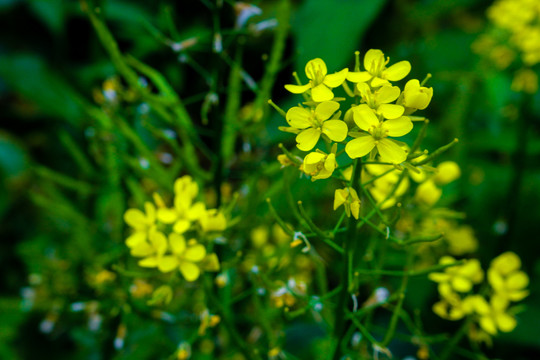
(447, 171)
(150, 210)
(142, 250)
(336, 79)
(355, 209)
(391, 111)
(314, 158)
(189, 270)
(181, 226)
(177, 243)
(307, 139)
(196, 211)
(488, 324)
(391, 152)
(321, 93)
(325, 109)
(377, 81)
(149, 262)
(360, 146)
(195, 253)
(340, 196)
(398, 71)
(136, 238)
(373, 59)
(387, 94)
(167, 263)
(364, 117)
(159, 242)
(505, 322)
(461, 284)
(299, 118)
(398, 127)
(316, 67)
(298, 89)
(517, 280)
(166, 215)
(135, 218)
(358, 77)
(330, 163)
(336, 130)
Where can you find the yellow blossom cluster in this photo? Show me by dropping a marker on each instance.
(160, 233)
(381, 111)
(507, 284)
(515, 35)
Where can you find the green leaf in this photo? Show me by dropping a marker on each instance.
(332, 30)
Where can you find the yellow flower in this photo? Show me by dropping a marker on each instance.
(452, 307)
(377, 72)
(458, 278)
(493, 316)
(184, 256)
(320, 165)
(380, 100)
(525, 80)
(152, 250)
(383, 185)
(184, 211)
(212, 220)
(320, 82)
(447, 171)
(376, 137)
(506, 279)
(348, 197)
(415, 97)
(141, 222)
(427, 193)
(461, 240)
(314, 122)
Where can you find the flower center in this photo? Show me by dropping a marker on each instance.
(378, 132)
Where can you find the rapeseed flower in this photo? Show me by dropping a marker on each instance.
(185, 256)
(376, 72)
(493, 316)
(377, 135)
(312, 123)
(415, 97)
(320, 165)
(348, 197)
(506, 278)
(380, 100)
(460, 278)
(141, 222)
(320, 82)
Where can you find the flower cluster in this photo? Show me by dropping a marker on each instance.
(458, 300)
(160, 232)
(515, 35)
(379, 112)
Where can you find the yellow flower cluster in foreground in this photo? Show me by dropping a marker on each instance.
(458, 300)
(368, 126)
(160, 232)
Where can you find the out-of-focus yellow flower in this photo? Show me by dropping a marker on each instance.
(493, 316)
(184, 211)
(427, 193)
(141, 222)
(377, 135)
(384, 184)
(312, 123)
(447, 171)
(525, 80)
(212, 220)
(348, 197)
(152, 251)
(185, 257)
(461, 240)
(506, 278)
(320, 165)
(259, 236)
(320, 83)
(460, 278)
(376, 71)
(415, 97)
(207, 321)
(452, 307)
